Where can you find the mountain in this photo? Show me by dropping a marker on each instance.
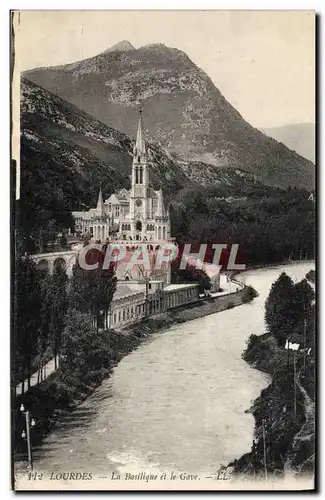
(299, 137)
(75, 151)
(121, 46)
(184, 112)
(66, 154)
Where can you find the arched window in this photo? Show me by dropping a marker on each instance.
(140, 175)
(138, 226)
(43, 265)
(60, 263)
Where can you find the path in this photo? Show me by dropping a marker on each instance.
(48, 369)
(228, 287)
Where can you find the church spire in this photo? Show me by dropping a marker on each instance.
(140, 147)
(100, 202)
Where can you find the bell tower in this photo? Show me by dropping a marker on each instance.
(140, 183)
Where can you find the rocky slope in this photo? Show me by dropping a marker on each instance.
(207, 175)
(298, 136)
(66, 154)
(289, 439)
(183, 110)
(65, 150)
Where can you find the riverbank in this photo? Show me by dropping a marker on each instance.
(58, 395)
(253, 267)
(189, 312)
(284, 413)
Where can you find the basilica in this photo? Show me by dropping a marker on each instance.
(136, 218)
(138, 214)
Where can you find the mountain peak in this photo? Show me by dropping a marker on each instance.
(122, 46)
(185, 113)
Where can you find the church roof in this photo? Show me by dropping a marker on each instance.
(92, 212)
(121, 196)
(137, 270)
(112, 199)
(123, 291)
(212, 270)
(78, 214)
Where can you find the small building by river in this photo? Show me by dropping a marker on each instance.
(134, 301)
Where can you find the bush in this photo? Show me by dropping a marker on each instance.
(230, 305)
(311, 276)
(252, 341)
(249, 294)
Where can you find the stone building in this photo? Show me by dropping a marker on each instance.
(138, 214)
(132, 218)
(133, 302)
(95, 222)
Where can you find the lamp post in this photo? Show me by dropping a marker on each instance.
(254, 458)
(146, 296)
(26, 434)
(264, 449)
(294, 347)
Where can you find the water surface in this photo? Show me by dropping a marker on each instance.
(176, 403)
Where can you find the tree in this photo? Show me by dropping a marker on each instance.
(190, 275)
(279, 310)
(269, 224)
(52, 314)
(303, 306)
(28, 300)
(63, 240)
(51, 232)
(85, 351)
(311, 276)
(44, 334)
(92, 291)
(249, 294)
(59, 307)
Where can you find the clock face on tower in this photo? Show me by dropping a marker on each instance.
(138, 202)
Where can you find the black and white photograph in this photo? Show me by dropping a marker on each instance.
(163, 225)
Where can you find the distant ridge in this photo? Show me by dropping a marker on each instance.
(299, 137)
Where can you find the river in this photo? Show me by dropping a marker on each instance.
(176, 403)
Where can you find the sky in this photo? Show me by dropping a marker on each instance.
(261, 61)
